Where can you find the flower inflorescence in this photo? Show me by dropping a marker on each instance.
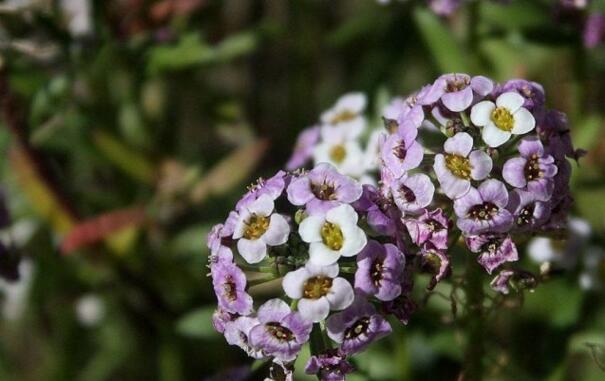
(345, 246)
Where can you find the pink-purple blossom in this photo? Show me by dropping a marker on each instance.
(380, 270)
(483, 209)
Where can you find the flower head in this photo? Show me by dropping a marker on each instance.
(318, 290)
(483, 209)
(533, 170)
(379, 271)
(332, 235)
(322, 189)
(501, 120)
(459, 164)
(281, 332)
(357, 327)
(258, 227)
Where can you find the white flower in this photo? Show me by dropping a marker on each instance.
(344, 154)
(504, 118)
(90, 310)
(257, 227)
(318, 290)
(334, 235)
(347, 113)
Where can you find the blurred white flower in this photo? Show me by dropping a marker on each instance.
(15, 293)
(90, 310)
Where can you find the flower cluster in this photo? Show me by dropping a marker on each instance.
(338, 139)
(333, 273)
(497, 166)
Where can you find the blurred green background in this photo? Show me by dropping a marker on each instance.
(130, 127)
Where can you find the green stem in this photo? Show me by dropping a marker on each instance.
(475, 348)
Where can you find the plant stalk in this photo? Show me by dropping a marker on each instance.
(475, 322)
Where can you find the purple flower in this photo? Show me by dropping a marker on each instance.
(379, 270)
(444, 7)
(280, 371)
(331, 365)
(458, 165)
(436, 262)
(431, 227)
(493, 250)
(409, 110)
(401, 152)
(322, 189)
(534, 169)
(501, 281)
(303, 150)
(381, 215)
(219, 252)
(220, 318)
(532, 92)
(229, 283)
(258, 227)
(456, 91)
(483, 209)
(281, 332)
(413, 193)
(529, 212)
(272, 187)
(238, 332)
(357, 326)
(594, 29)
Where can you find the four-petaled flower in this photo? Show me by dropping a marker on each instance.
(380, 270)
(483, 209)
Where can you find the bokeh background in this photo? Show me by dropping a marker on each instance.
(130, 127)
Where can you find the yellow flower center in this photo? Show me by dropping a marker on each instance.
(460, 166)
(256, 226)
(343, 116)
(503, 119)
(338, 153)
(316, 287)
(331, 235)
(324, 191)
(358, 328)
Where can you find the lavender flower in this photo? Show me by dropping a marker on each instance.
(594, 29)
(413, 193)
(401, 152)
(237, 332)
(272, 187)
(303, 150)
(528, 210)
(503, 119)
(357, 327)
(229, 284)
(322, 189)
(281, 332)
(457, 91)
(332, 235)
(483, 209)
(432, 227)
(379, 212)
(331, 365)
(459, 164)
(220, 318)
(532, 92)
(534, 169)
(379, 271)
(436, 262)
(218, 251)
(258, 227)
(493, 250)
(318, 290)
(501, 282)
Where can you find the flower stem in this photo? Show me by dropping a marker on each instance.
(473, 356)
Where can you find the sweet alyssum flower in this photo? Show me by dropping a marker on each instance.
(338, 149)
(457, 91)
(502, 119)
(322, 189)
(357, 327)
(237, 332)
(483, 209)
(258, 227)
(332, 235)
(493, 250)
(413, 193)
(380, 271)
(330, 365)
(347, 114)
(318, 290)
(281, 332)
(303, 150)
(401, 152)
(229, 285)
(459, 164)
(431, 227)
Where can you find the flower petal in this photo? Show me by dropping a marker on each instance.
(524, 121)
(321, 255)
(494, 191)
(273, 310)
(278, 231)
(342, 215)
(341, 294)
(294, 281)
(493, 136)
(253, 251)
(511, 101)
(513, 172)
(314, 310)
(459, 100)
(481, 165)
(310, 228)
(262, 206)
(459, 144)
(481, 113)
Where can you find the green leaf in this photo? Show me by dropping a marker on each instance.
(447, 52)
(513, 16)
(557, 302)
(197, 324)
